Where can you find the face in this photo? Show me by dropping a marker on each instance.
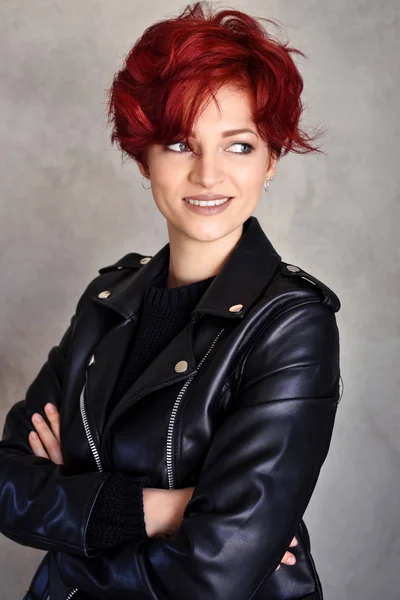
(233, 166)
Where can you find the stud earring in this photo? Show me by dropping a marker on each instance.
(267, 182)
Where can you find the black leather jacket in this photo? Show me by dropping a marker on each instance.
(241, 404)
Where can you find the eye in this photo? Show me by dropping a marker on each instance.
(168, 146)
(249, 146)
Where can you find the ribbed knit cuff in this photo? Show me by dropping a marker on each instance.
(133, 509)
(118, 513)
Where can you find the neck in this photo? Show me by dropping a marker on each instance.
(192, 260)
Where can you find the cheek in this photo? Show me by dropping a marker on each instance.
(165, 196)
(250, 187)
(166, 179)
(167, 199)
(169, 189)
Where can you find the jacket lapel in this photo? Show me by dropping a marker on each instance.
(241, 280)
(103, 373)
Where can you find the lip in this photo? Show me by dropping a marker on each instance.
(208, 197)
(208, 211)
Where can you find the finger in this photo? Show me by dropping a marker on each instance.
(54, 417)
(36, 445)
(294, 542)
(288, 559)
(47, 438)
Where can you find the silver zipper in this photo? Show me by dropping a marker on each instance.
(87, 429)
(175, 410)
(170, 427)
(91, 444)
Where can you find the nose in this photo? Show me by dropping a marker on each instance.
(208, 171)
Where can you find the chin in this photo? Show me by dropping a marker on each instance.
(210, 229)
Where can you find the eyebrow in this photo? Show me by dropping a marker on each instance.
(231, 132)
(236, 131)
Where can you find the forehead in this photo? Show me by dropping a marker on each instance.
(229, 113)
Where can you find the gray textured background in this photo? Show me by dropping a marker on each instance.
(68, 206)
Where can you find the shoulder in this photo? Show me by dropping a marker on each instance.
(292, 286)
(112, 274)
(296, 344)
(293, 324)
(131, 261)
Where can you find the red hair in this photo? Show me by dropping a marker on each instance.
(177, 64)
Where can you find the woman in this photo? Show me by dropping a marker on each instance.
(195, 391)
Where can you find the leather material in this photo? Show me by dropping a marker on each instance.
(248, 424)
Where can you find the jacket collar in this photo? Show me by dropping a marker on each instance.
(243, 277)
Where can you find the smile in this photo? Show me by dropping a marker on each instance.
(206, 202)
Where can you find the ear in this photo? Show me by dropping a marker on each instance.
(272, 163)
(142, 169)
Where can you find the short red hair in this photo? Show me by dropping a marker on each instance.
(177, 64)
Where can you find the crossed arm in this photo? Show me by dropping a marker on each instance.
(163, 509)
(249, 497)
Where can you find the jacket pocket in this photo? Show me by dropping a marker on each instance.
(293, 582)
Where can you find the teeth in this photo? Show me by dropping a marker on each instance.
(206, 202)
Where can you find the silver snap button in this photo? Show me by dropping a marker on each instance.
(292, 268)
(236, 308)
(145, 260)
(120, 267)
(104, 294)
(91, 360)
(181, 366)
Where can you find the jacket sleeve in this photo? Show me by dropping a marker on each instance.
(42, 504)
(256, 481)
(118, 513)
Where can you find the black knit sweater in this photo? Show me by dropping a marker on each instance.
(118, 512)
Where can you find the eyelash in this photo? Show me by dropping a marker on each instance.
(233, 144)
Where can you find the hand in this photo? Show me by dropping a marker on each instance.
(288, 558)
(47, 443)
(163, 509)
